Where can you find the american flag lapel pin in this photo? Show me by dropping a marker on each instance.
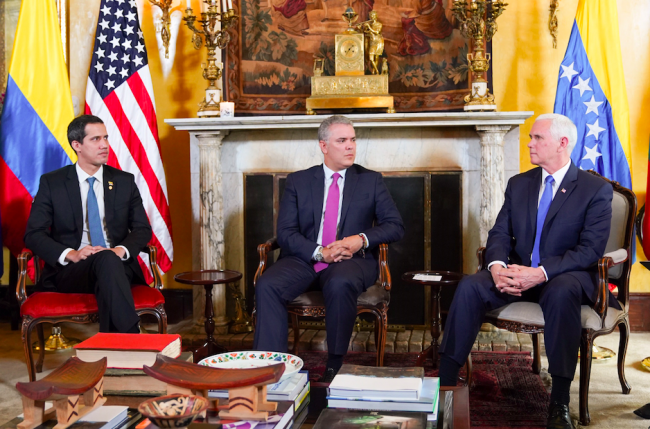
(563, 191)
(110, 186)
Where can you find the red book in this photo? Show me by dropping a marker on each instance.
(128, 350)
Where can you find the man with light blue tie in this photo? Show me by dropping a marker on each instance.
(544, 246)
(331, 221)
(88, 224)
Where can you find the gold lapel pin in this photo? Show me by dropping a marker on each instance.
(563, 191)
(110, 186)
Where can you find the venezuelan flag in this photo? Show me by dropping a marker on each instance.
(36, 113)
(591, 91)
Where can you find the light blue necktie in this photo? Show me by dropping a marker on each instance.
(94, 221)
(544, 204)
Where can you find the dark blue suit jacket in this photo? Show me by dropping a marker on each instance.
(367, 208)
(575, 231)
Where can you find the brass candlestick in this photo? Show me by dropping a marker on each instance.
(214, 38)
(165, 34)
(479, 26)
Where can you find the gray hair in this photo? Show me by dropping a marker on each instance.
(324, 129)
(561, 126)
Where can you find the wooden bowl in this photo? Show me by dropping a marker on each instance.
(173, 411)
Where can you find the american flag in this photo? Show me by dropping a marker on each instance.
(120, 92)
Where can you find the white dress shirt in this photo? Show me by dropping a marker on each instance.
(98, 188)
(328, 182)
(558, 177)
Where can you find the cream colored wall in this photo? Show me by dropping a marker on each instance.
(525, 69)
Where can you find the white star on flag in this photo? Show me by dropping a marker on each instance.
(113, 56)
(568, 72)
(111, 70)
(594, 129)
(119, 13)
(583, 85)
(106, 10)
(99, 67)
(100, 53)
(592, 105)
(124, 73)
(592, 154)
(110, 84)
(130, 16)
(128, 31)
(104, 24)
(115, 42)
(102, 38)
(137, 61)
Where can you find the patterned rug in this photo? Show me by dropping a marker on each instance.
(506, 393)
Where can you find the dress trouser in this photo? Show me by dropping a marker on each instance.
(341, 283)
(559, 298)
(109, 278)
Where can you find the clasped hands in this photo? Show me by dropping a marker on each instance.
(79, 255)
(516, 279)
(342, 249)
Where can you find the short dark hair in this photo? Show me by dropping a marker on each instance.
(77, 128)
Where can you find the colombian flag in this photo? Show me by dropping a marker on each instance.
(591, 91)
(36, 113)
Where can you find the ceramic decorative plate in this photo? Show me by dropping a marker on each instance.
(250, 359)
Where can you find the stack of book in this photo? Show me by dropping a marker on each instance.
(292, 395)
(126, 354)
(385, 389)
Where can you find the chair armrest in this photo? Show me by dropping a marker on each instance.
(384, 271)
(482, 264)
(618, 256)
(608, 260)
(263, 250)
(153, 264)
(23, 260)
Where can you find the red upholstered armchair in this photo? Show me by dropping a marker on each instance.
(55, 307)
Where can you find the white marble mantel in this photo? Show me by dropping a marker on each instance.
(483, 145)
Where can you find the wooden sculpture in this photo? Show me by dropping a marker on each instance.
(246, 387)
(64, 386)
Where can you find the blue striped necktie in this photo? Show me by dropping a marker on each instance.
(94, 221)
(542, 210)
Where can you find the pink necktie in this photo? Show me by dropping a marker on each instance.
(331, 216)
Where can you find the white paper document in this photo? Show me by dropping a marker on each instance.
(427, 277)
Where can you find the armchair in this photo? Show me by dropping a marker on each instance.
(55, 307)
(374, 301)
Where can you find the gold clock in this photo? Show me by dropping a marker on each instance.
(349, 55)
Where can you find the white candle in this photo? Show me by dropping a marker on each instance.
(225, 5)
(230, 5)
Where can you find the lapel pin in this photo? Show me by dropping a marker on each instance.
(563, 191)
(110, 186)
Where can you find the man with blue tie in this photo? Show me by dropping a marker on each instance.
(544, 246)
(88, 224)
(331, 221)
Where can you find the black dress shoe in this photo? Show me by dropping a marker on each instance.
(558, 417)
(329, 375)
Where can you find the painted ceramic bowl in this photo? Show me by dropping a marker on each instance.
(240, 360)
(173, 411)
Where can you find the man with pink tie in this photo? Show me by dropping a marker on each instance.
(331, 221)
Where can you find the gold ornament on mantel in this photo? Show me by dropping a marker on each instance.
(215, 37)
(552, 21)
(477, 20)
(351, 88)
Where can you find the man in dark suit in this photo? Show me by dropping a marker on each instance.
(552, 229)
(332, 218)
(88, 224)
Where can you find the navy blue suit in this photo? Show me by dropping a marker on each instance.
(367, 208)
(573, 238)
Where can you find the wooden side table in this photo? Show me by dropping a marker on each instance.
(208, 278)
(448, 278)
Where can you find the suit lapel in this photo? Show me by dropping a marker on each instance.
(109, 197)
(566, 187)
(533, 197)
(351, 179)
(317, 195)
(74, 194)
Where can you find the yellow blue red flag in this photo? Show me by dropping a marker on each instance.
(591, 91)
(37, 110)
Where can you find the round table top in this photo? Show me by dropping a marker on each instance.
(449, 278)
(208, 277)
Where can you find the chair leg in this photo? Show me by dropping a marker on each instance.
(296, 333)
(381, 329)
(537, 351)
(41, 347)
(586, 347)
(26, 334)
(624, 329)
(468, 370)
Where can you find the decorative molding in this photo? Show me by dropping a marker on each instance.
(553, 21)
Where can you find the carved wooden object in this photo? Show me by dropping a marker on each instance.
(64, 386)
(246, 387)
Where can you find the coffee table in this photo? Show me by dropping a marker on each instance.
(207, 279)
